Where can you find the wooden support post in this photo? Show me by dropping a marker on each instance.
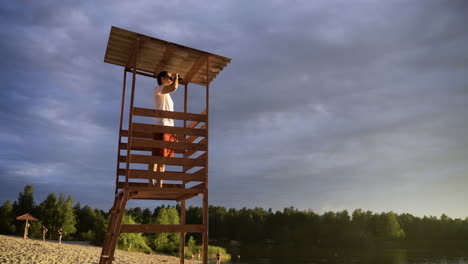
(113, 229)
(182, 234)
(118, 225)
(130, 118)
(120, 130)
(205, 195)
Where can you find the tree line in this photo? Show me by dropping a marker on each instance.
(290, 226)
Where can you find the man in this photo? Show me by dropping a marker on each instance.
(60, 232)
(26, 229)
(44, 231)
(167, 84)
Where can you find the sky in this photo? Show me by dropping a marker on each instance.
(326, 105)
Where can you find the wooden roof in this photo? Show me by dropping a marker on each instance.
(155, 55)
(26, 217)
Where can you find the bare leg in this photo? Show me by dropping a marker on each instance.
(162, 168)
(155, 168)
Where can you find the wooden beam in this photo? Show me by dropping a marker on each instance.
(198, 162)
(197, 65)
(121, 185)
(195, 123)
(190, 152)
(139, 72)
(150, 128)
(186, 197)
(144, 191)
(145, 143)
(194, 137)
(182, 234)
(168, 114)
(165, 59)
(131, 63)
(201, 157)
(148, 228)
(123, 146)
(168, 175)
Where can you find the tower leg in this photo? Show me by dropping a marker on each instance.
(113, 230)
(182, 234)
(205, 232)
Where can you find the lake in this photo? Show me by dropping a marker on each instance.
(268, 254)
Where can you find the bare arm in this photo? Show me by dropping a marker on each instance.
(172, 87)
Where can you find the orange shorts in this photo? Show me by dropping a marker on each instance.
(164, 152)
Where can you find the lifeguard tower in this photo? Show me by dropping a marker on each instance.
(188, 170)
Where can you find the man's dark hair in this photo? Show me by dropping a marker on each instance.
(160, 75)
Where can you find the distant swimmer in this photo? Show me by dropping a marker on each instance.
(218, 257)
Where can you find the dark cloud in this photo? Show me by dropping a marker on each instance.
(326, 105)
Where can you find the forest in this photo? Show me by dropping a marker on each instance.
(289, 227)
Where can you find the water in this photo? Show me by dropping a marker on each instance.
(264, 254)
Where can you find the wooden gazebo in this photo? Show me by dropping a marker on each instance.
(188, 171)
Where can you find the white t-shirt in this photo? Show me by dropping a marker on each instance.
(163, 102)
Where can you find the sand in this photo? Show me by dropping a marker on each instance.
(16, 250)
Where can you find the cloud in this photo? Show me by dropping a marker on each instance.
(324, 105)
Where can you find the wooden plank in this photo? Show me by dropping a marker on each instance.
(123, 146)
(150, 128)
(164, 160)
(195, 123)
(168, 175)
(186, 197)
(201, 157)
(194, 137)
(198, 186)
(151, 228)
(121, 185)
(191, 152)
(165, 59)
(131, 60)
(138, 134)
(156, 190)
(194, 70)
(143, 73)
(168, 114)
(191, 125)
(144, 143)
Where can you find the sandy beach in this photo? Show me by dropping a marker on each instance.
(16, 250)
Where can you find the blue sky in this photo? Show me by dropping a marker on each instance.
(326, 105)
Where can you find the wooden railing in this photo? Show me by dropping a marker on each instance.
(192, 139)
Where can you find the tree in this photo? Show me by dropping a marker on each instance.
(100, 226)
(25, 201)
(388, 228)
(66, 217)
(85, 222)
(132, 241)
(166, 242)
(58, 213)
(24, 205)
(48, 213)
(146, 216)
(7, 218)
(136, 214)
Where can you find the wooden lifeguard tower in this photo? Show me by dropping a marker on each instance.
(188, 170)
